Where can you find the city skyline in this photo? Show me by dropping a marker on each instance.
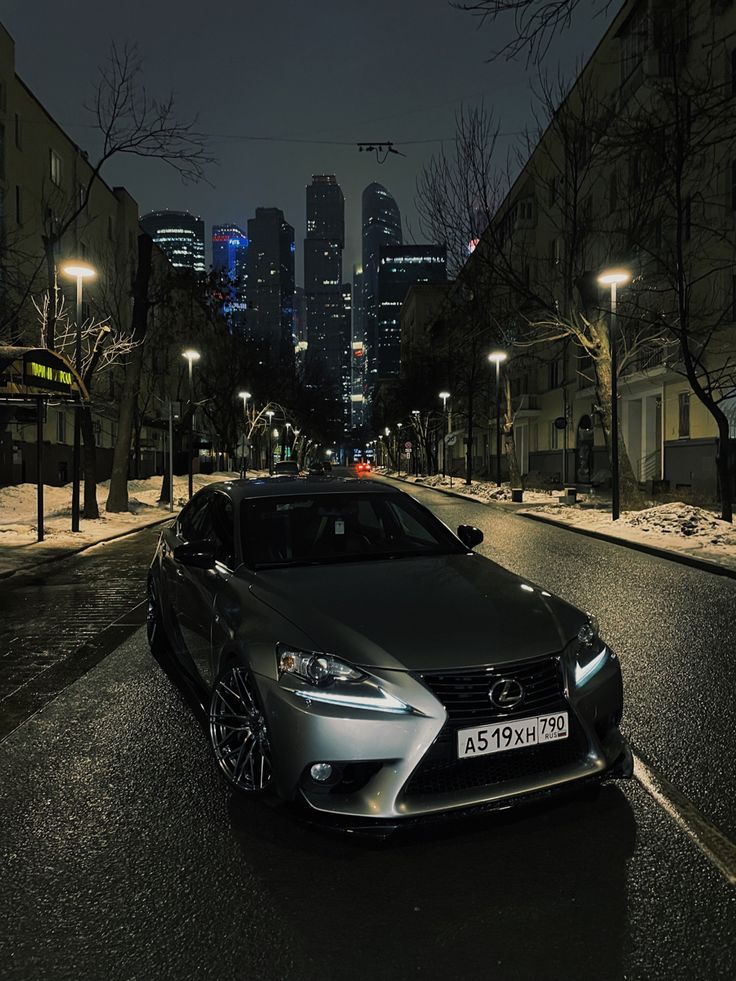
(409, 98)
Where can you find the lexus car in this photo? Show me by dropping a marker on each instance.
(356, 655)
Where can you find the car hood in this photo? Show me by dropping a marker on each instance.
(419, 613)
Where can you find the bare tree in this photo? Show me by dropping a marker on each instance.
(104, 346)
(536, 23)
(675, 144)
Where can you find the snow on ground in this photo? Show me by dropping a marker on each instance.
(18, 527)
(677, 527)
(478, 490)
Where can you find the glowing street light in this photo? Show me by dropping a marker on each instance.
(78, 271)
(498, 358)
(445, 396)
(245, 396)
(192, 357)
(614, 278)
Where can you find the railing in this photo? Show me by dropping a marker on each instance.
(650, 466)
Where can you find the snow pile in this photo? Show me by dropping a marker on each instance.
(478, 490)
(19, 530)
(681, 520)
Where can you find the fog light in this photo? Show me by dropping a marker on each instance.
(321, 772)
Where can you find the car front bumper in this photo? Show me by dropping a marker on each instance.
(384, 763)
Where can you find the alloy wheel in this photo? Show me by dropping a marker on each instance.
(238, 732)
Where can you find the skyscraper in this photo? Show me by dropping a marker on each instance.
(381, 225)
(229, 251)
(328, 323)
(180, 236)
(357, 359)
(269, 283)
(399, 268)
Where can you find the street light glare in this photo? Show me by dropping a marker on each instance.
(497, 357)
(614, 277)
(190, 354)
(78, 270)
(444, 395)
(243, 395)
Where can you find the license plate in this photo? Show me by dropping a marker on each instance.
(514, 734)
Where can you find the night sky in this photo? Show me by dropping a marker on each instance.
(328, 70)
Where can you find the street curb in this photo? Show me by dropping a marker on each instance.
(703, 565)
(660, 553)
(68, 552)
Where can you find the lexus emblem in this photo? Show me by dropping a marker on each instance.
(506, 693)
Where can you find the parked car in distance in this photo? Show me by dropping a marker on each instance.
(287, 468)
(363, 467)
(355, 655)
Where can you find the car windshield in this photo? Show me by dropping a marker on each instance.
(325, 528)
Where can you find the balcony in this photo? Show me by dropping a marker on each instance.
(525, 406)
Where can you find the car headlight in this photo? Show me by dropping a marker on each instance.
(591, 653)
(318, 677)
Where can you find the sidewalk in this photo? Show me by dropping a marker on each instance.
(677, 531)
(19, 549)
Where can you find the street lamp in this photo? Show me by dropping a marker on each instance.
(245, 396)
(498, 358)
(444, 396)
(78, 271)
(191, 355)
(270, 415)
(612, 278)
(398, 447)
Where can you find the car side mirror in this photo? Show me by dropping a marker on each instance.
(469, 536)
(196, 555)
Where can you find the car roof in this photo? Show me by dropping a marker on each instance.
(297, 487)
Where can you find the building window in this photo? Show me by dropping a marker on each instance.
(18, 205)
(555, 373)
(554, 436)
(633, 42)
(683, 415)
(55, 167)
(533, 437)
(61, 427)
(18, 132)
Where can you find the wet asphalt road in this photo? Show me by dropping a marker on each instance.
(124, 856)
(672, 626)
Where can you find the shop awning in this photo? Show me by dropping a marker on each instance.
(26, 372)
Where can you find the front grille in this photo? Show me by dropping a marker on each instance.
(465, 692)
(465, 695)
(441, 772)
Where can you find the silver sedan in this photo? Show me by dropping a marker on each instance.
(355, 654)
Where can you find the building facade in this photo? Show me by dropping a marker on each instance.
(180, 236)
(400, 268)
(636, 170)
(269, 283)
(229, 255)
(328, 307)
(381, 228)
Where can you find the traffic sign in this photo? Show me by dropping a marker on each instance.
(408, 444)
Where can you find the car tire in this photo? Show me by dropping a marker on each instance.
(155, 632)
(238, 732)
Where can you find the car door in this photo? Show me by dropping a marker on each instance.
(199, 588)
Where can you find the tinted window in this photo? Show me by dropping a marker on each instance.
(194, 522)
(223, 528)
(339, 527)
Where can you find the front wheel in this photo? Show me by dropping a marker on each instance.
(238, 731)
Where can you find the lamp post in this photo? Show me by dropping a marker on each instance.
(398, 446)
(444, 396)
(269, 415)
(191, 355)
(497, 358)
(416, 421)
(612, 278)
(78, 271)
(245, 396)
(296, 444)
